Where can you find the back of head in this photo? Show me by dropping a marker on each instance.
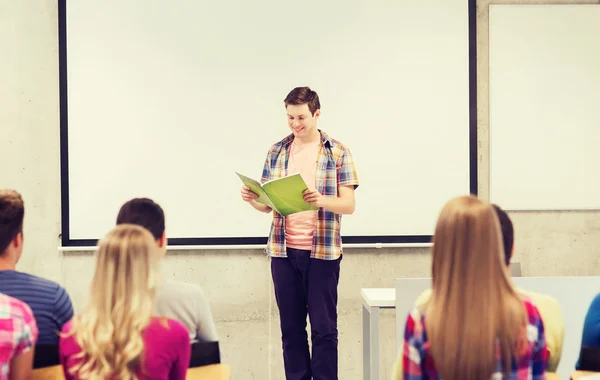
(120, 304)
(143, 212)
(508, 233)
(12, 212)
(303, 95)
(473, 304)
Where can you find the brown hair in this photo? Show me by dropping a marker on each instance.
(143, 212)
(474, 309)
(12, 212)
(508, 232)
(303, 95)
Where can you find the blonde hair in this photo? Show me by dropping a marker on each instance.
(109, 332)
(473, 308)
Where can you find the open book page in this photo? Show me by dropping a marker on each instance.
(257, 188)
(286, 194)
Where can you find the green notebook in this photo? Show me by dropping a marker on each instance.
(283, 195)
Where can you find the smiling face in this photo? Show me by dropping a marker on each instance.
(302, 122)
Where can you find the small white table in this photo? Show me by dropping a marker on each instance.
(373, 300)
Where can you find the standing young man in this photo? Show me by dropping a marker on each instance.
(306, 247)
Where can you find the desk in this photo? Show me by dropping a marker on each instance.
(209, 372)
(577, 375)
(373, 300)
(48, 373)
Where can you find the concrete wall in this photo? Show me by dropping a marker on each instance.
(237, 282)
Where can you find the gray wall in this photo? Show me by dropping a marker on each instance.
(237, 282)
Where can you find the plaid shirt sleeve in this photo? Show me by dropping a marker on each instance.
(412, 351)
(346, 171)
(535, 334)
(26, 331)
(266, 173)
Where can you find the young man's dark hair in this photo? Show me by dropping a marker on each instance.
(143, 212)
(303, 95)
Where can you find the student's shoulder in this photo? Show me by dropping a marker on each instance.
(540, 300)
(596, 302)
(170, 288)
(338, 149)
(423, 298)
(15, 308)
(167, 329)
(66, 329)
(37, 282)
(337, 144)
(534, 316)
(68, 345)
(594, 308)
(278, 146)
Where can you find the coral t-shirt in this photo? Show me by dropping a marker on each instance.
(300, 227)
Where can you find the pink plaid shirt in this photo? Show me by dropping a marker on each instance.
(18, 331)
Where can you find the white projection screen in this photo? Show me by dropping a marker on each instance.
(168, 99)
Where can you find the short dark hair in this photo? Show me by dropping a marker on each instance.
(143, 212)
(303, 95)
(12, 213)
(508, 233)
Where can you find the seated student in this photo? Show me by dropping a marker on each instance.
(475, 325)
(116, 336)
(18, 333)
(590, 336)
(554, 325)
(183, 302)
(49, 301)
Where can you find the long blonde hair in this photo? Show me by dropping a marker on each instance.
(109, 332)
(473, 307)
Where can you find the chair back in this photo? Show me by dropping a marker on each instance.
(205, 353)
(45, 355)
(589, 359)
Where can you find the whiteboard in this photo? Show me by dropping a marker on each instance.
(544, 106)
(168, 100)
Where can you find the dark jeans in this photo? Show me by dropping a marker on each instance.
(307, 286)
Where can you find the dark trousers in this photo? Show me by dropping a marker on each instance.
(305, 286)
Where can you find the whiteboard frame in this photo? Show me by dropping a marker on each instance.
(68, 244)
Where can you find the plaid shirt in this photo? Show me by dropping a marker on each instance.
(18, 331)
(335, 167)
(418, 363)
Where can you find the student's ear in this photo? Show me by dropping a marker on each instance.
(512, 252)
(18, 240)
(162, 240)
(317, 114)
(18, 244)
(162, 243)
